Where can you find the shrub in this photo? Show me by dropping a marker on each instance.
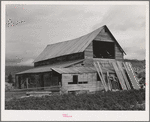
(120, 100)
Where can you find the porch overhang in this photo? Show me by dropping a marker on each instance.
(79, 70)
(36, 70)
(47, 68)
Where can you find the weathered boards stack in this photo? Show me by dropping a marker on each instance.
(126, 78)
(92, 62)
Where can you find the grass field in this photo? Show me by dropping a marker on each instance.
(120, 100)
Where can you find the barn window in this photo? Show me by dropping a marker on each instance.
(75, 80)
(103, 49)
(84, 82)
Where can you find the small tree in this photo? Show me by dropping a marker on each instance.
(10, 78)
(141, 76)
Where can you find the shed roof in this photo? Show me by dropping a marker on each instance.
(79, 70)
(75, 70)
(47, 68)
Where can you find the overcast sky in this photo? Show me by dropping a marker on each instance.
(46, 24)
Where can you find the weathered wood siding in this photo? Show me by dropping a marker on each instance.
(76, 65)
(105, 36)
(107, 63)
(91, 78)
(118, 53)
(70, 57)
(88, 62)
(89, 51)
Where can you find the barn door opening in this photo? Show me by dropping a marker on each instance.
(56, 79)
(103, 49)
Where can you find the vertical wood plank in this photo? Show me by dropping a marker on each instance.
(16, 81)
(102, 76)
(27, 82)
(119, 75)
(131, 75)
(123, 74)
(109, 83)
(130, 65)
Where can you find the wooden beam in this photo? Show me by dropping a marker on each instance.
(131, 75)
(27, 82)
(50, 88)
(16, 81)
(119, 75)
(124, 75)
(33, 93)
(109, 83)
(100, 76)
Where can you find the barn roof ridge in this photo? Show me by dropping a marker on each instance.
(77, 37)
(72, 46)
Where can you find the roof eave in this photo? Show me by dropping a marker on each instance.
(115, 40)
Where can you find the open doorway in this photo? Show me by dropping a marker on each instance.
(103, 49)
(56, 79)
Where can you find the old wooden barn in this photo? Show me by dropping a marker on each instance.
(91, 62)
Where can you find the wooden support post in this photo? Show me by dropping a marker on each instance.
(19, 82)
(131, 75)
(130, 65)
(16, 81)
(109, 83)
(119, 75)
(102, 75)
(128, 75)
(123, 74)
(27, 82)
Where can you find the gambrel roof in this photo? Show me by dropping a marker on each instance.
(72, 46)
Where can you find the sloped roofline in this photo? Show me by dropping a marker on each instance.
(115, 40)
(82, 41)
(77, 37)
(47, 68)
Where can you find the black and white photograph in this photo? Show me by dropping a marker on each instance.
(68, 60)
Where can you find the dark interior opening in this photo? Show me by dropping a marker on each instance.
(75, 80)
(55, 79)
(103, 49)
(98, 78)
